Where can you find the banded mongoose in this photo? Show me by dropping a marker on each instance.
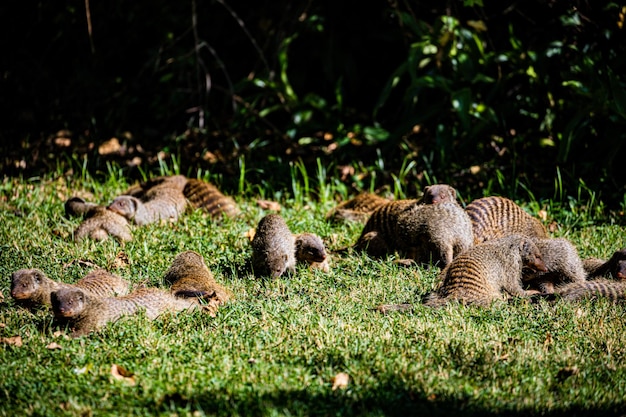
(435, 225)
(562, 262)
(612, 290)
(356, 209)
(359, 208)
(204, 195)
(189, 276)
(32, 288)
(495, 217)
(615, 266)
(487, 272)
(102, 222)
(310, 249)
(163, 201)
(273, 247)
(84, 312)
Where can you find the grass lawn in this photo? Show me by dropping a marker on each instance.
(282, 346)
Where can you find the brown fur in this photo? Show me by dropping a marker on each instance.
(76, 206)
(189, 276)
(102, 222)
(85, 313)
(612, 290)
(273, 247)
(32, 288)
(563, 264)
(162, 202)
(615, 267)
(206, 196)
(487, 272)
(357, 209)
(310, 249)
(495, 217)
(434, 228)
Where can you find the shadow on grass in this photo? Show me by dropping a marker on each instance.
(389, 399)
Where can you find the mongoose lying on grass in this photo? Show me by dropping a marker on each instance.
(84, 312)
(206, 196)
(189, 276)
(31, 287)
(614, 267)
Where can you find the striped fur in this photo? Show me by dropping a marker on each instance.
(487, 272)
(613, 290)
(204, 195)
(563, 264)
(495, 217)
(357, 208)
(379, 235)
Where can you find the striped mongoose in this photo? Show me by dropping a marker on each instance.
(163, 201)
(484, 272)
(615, 266)
(273, 247)
(359, 208)
(102, 222)
(494, 217)
(85, 313)
(435, 225)
(562, 262)
(189, 276)
(612, 290)
(31, 287)
(204, 195)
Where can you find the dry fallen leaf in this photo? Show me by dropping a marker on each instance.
(121, 374)
(268, 205)
(340, 380)
(110, 146)
(15, 341)
(121, 261)
(54, 345)
(250, 234)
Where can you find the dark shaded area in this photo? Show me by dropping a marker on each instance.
(457, 93)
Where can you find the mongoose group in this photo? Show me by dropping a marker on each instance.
(488, 251)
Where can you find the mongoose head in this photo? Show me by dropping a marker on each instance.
(26, 283)
(125, 205)
(531, 256)
(310, 248)
(620, 270)
(277, 265)
(438, 193)
(68, 302)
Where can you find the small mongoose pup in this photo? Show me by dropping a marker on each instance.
(163, 201)
(494, 217)
(102, 222)
(32, 288)
(189, 276)
(612, 290)
(204, 195)
(562, 262)
(273, 247)
(615, 266)
(310, 249)
(84, 312)
(484, 272)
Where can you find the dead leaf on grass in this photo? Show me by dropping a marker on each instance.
(54, 345)
(250, 234)
(340, 381)
(269, 205)
(110, 146)
(121, 261)
(121, 374)
(15, 340)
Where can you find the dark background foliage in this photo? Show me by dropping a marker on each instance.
(482, 96)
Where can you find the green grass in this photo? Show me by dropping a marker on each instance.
(276, 347)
